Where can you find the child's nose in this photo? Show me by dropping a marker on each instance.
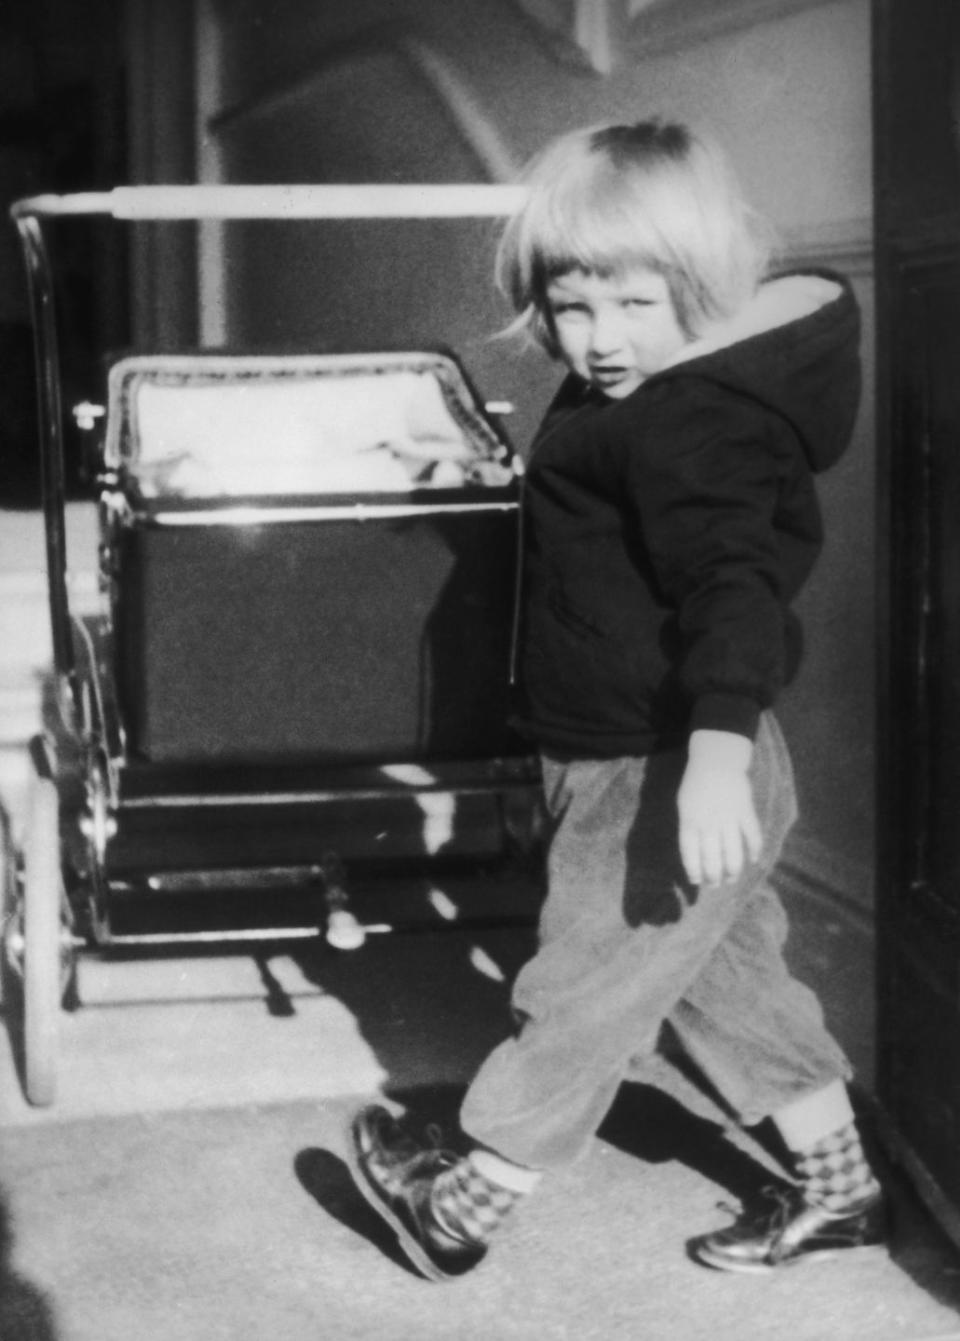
(606, 332)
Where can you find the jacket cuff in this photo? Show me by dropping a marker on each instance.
(726, 712)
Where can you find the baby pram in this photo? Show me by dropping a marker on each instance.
(301, 661)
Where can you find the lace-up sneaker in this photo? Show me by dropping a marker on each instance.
(395, 1172)
(788, 1230)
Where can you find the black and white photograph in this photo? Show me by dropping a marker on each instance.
(479, 670)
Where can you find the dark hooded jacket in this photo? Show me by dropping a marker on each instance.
(666, 534)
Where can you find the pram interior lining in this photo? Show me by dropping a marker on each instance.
(216, 426)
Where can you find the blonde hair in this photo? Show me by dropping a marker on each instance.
(605, 199)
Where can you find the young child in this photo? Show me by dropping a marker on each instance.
(670, 520)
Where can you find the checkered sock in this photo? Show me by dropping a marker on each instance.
(834, 1171)
(469, 1205)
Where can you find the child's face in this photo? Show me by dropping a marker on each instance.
(617, 331)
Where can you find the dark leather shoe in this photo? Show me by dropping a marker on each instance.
(396, 1173)
(789, 1230)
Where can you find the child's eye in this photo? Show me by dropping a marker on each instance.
(566, 309)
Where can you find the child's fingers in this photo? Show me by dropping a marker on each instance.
(716, 852)
(743, 844)
(710, 856)
(713, 856)
(690, 854)
(733, 855)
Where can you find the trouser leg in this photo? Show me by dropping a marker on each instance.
(623, 937)
(754, 1031)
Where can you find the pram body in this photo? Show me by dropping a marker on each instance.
(301, 665)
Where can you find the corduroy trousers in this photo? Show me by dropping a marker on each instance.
(627, 944)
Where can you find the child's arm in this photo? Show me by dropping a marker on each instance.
(706, 490)
(719, 829)
(705, 487)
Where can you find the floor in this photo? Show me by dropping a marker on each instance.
(189, 1182)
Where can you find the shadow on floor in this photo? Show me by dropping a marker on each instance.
(25, 1312)
(417, 1021)
(432, 998)
(326, 1178)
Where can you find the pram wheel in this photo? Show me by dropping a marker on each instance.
(38, 942)
(9, 978)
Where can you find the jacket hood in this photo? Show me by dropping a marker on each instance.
(794, 348)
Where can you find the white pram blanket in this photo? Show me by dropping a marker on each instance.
(205, 426)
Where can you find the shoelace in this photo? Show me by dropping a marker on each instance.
(783, 1201)
(434, 1135)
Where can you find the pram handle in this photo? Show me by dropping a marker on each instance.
(361, 201)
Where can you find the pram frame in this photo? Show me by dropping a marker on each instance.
(185, 203)
(87, 714)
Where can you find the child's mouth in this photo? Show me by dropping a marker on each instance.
(607, 378)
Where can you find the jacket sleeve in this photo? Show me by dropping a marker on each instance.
(704, 488)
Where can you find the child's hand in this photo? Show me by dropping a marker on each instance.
(719, 829)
